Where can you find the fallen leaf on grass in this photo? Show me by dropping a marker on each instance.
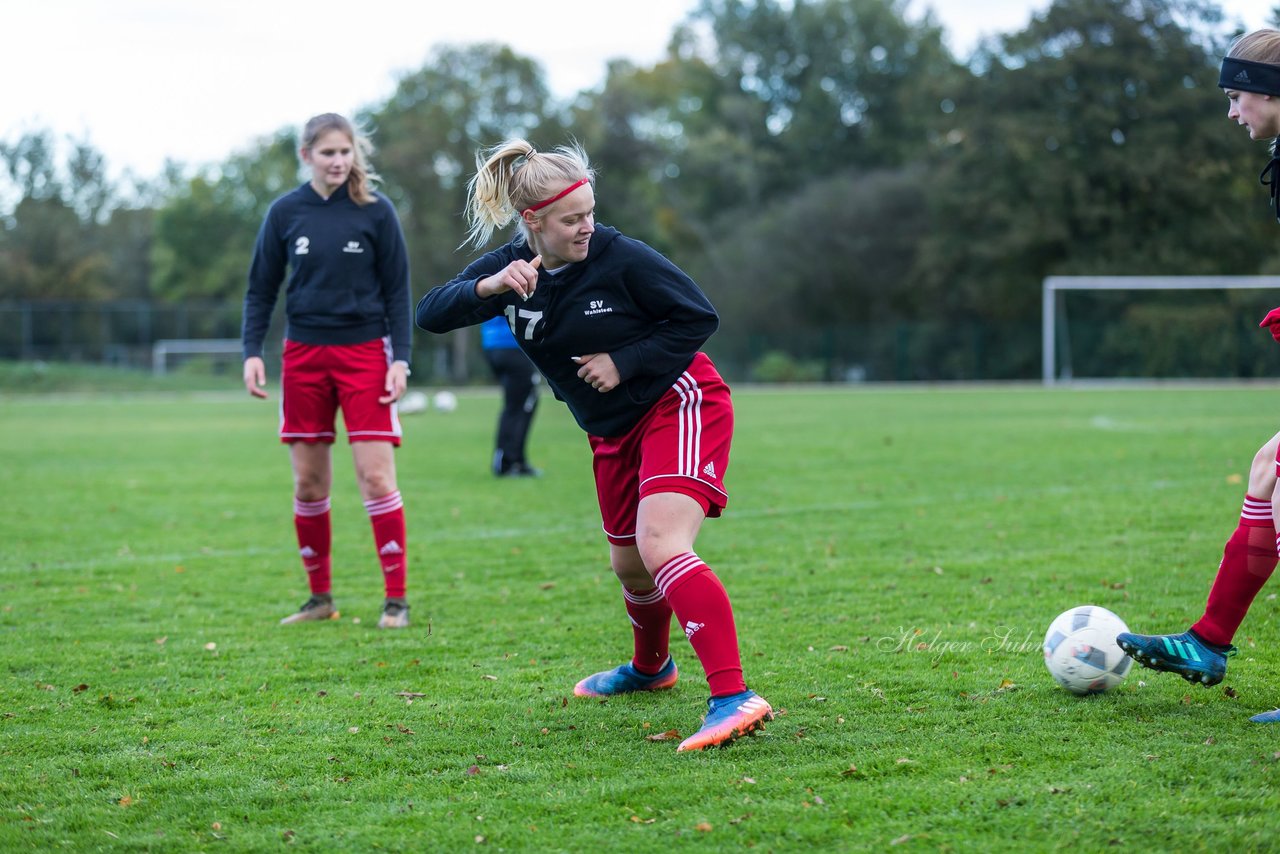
(740, 819)
(906, 837)
(473, 770)
(638, 820)
(663, 736)
(838, 648)
(702, 827)
(490, 677)
(1007, 685)
(79, 688)
(126, 801)
(211, 646)
(410, 695)
(546, 585)
(161, 640)
(1230, 692)
(850, 771)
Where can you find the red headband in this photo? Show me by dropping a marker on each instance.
(537, 206)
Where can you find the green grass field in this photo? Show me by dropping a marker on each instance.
(894, 557)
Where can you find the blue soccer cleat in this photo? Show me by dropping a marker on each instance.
(625, 679)
(1272, 717)
(729, 718)
(1184, 654)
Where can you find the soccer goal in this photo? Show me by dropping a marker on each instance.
(1056, 361)
(166, 348)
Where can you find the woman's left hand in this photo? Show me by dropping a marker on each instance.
(598, 371)
(397, 381)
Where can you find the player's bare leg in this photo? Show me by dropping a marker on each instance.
(375, 466)
(667, 524)
(312, 479)
(651, 667)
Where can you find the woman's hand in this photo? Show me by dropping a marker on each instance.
(255, 376)
(599, 371)
(520, 276)
(396, 382)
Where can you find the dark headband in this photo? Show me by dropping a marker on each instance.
(1248, 76)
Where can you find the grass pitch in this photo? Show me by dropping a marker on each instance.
(894, 557)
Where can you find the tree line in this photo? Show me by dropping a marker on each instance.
(847, 191)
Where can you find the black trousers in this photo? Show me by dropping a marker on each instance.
(520, 380)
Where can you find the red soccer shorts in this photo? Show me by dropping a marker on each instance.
(318, 379)
(681, 445)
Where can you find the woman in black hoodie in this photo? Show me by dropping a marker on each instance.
(615, 328)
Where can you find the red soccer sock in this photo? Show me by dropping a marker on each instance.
(311, 522)
(650, 627)
(702, 607)
(387, 516)
(1247, 562)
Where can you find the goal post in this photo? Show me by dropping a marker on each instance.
(1055, 284)
(162, 349)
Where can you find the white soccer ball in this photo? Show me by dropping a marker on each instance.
(412, 402)
(445, 401)
(1081, 652)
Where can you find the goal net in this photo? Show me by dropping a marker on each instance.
(1157, 327)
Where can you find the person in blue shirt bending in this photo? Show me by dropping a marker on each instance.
(520, 381)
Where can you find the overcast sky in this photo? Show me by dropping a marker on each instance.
(146, 80)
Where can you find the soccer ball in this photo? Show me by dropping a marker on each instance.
(412, 402)
(1081, 653)
(445, 401)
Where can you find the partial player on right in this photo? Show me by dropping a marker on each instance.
(1250, 76)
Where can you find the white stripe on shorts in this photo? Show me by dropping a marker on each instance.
(689, 451)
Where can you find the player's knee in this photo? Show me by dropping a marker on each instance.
(308, 486)
(656, 548)
(1262, 474)
(376, 484)
(629, 568)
